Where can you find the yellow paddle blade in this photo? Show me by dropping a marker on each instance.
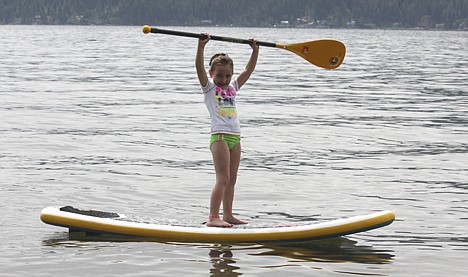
(325, 53)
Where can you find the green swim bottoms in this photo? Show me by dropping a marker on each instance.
(231, 140)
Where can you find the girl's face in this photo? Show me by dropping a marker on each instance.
(222, 75)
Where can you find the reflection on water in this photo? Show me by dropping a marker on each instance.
(223, 263)
(223, 256)
(334, 250)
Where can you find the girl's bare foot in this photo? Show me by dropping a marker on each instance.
(217, 222)
(234, 220)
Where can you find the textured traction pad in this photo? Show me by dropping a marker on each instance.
(100, 214)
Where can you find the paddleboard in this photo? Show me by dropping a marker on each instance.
(101, 222)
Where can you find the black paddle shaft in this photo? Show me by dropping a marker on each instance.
(202, 36)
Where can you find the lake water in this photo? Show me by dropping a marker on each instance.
(111, 119)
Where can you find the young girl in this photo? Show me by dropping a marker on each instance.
(220, 99)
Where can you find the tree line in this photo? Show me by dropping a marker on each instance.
(444, 14)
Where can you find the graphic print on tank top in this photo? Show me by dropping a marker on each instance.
(226, 102)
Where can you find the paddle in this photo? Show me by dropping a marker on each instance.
(324, 53)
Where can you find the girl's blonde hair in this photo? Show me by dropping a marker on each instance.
(220, 59)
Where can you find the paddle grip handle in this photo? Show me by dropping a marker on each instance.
(202, 36)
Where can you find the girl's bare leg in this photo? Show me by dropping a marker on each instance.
(221, 160)
(228, 198)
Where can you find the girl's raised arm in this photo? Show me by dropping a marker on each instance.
(249, 68)
(200, 61)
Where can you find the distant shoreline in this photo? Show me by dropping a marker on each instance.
(265, 27)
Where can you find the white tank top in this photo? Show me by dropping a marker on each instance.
(222, 107)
